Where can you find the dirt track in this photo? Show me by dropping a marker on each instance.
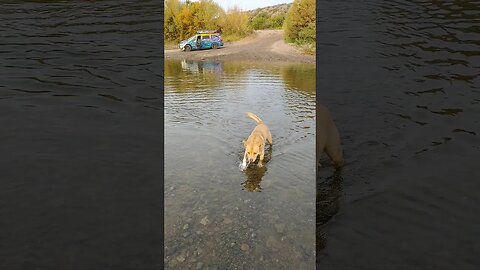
(264, 45)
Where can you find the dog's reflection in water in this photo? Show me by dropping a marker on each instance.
(329, 186)
(329, 192)
(254, 174)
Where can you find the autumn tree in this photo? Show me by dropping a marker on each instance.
(183, 19)
(300, 22)
(171, 29)
(234, 24)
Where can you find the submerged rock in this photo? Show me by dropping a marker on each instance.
(280, 228)
(273, 243)
(204, 221)
(172, 263)
(181, 258)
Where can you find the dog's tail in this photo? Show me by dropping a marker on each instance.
(254, 117)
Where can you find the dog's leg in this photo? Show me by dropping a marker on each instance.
(269, 153)
(262, 156)
(333, 147)
(243, 166)
(269, 138)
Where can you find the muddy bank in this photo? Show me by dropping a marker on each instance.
(264, 45)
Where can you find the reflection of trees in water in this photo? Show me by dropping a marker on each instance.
(187, 75)
(230, 68)
(299, 77)
(192, 75)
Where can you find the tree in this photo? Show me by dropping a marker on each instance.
(171, 29)
(276, 21)
(234, 23)
(300, 22)
(183, 19)
(209, 14)
(260, 21)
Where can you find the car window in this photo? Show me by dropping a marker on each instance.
(205, 37)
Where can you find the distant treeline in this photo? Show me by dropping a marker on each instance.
(271, 17)
(184, 18)
(300, 24)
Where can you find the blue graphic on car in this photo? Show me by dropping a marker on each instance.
(206, 39)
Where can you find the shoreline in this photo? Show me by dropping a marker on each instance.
(262, 45)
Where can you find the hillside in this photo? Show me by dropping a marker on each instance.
(271, 17)
(271, 10)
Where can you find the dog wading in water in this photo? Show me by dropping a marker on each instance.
(255, 143)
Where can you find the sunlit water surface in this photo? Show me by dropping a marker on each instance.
(216, 215)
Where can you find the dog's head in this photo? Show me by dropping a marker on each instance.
(252, 149)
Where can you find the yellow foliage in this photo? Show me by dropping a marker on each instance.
(234, 24)
(172, 9)
(183, 19)
(300, 22)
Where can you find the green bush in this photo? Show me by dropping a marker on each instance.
(276, 21)
(260, 21)
(300, 22)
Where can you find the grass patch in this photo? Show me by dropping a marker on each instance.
(307, 48)
(232, 37)
(170, 45)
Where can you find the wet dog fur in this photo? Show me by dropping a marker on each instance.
(255, 143)
(327, 138)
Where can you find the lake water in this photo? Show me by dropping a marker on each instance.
(217, 216)
(81, 135)
(401, 79)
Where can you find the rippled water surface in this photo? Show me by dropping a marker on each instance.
(401, 79)
(216, 215)
(80, 120)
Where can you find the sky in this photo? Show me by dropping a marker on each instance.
(250, 4)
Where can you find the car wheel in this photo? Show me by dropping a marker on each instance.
(188, 48)
(214, 46)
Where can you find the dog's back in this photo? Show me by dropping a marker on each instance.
(261, 128)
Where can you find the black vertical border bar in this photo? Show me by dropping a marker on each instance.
(162, 164)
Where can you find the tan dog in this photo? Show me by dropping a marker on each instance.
(255, 144)
(327, 137)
